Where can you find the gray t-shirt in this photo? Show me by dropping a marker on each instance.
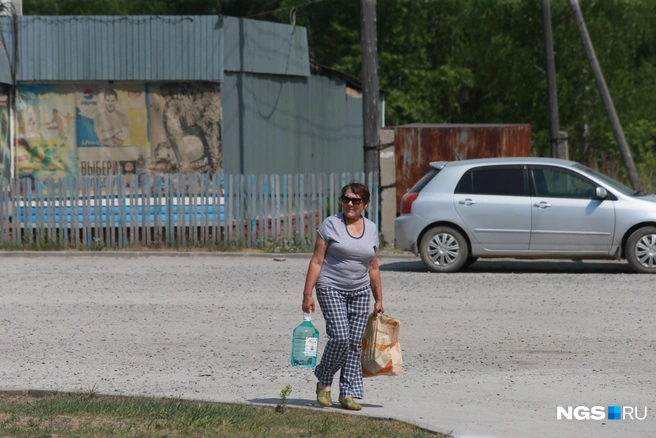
(346, 264)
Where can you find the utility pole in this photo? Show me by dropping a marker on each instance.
(370, 87)
(552, 91)
(605, 96)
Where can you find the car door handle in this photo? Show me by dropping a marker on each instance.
(542, 204)
(467, 202)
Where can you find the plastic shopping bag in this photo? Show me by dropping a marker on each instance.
(381, 351)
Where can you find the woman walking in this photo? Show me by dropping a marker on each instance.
(344, 272)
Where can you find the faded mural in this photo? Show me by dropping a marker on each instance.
(5, 152)
(45, 135)
(105, 128)
(185, 127)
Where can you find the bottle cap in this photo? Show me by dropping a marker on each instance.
(307, 316)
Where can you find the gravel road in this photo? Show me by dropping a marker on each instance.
(490, 352)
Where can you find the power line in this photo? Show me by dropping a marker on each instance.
(283, 9)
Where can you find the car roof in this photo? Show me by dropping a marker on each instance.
(501, 161)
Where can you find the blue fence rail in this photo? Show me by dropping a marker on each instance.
(171, 210)
(64, 212)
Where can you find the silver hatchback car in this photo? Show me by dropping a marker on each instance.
(524, 208)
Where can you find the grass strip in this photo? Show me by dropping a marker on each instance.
(92, 415)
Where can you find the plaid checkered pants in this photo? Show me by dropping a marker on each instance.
(346, 314)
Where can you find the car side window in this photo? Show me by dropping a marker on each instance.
(465, 184)
(493, 181)
(556, 183)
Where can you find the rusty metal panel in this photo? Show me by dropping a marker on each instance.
(417, 145)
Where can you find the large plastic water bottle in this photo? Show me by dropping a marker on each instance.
(305, 342)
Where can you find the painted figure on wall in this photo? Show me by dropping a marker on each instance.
(115, 116)
(57, 123)
(188, 137)
(111, 125)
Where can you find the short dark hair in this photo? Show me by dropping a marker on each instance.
(111, 92)
(357, 189)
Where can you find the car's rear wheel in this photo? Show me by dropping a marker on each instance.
(443, 249)
(641, 250)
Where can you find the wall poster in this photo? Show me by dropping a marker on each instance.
(112, 129)
(106, 128)
(185, 127)
(45, 131)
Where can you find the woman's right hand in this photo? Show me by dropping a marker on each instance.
(308, 304)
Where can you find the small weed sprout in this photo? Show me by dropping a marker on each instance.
(282, 407)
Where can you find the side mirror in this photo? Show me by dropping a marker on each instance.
(601, 193)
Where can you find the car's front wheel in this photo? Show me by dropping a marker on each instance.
(641, 250)
(470, 261)
(443, 249)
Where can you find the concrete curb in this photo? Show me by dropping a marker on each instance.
(34, 393)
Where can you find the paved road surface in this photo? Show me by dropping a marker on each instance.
(489, 352)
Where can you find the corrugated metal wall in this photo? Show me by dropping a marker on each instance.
(7, 51)
(80, 48)
(288, 125)
(417, 145)
(262, 47)
(277, 118)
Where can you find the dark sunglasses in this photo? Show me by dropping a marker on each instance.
(354, 201)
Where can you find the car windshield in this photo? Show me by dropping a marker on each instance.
(608, 180)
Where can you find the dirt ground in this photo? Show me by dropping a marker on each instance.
(490, 352)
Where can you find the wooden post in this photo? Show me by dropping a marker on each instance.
(552, 91)
(605, 96)
(370, 87)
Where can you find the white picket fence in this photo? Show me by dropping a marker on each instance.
(172, 210)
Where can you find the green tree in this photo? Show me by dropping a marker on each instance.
(236, 8)
(471, 61)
